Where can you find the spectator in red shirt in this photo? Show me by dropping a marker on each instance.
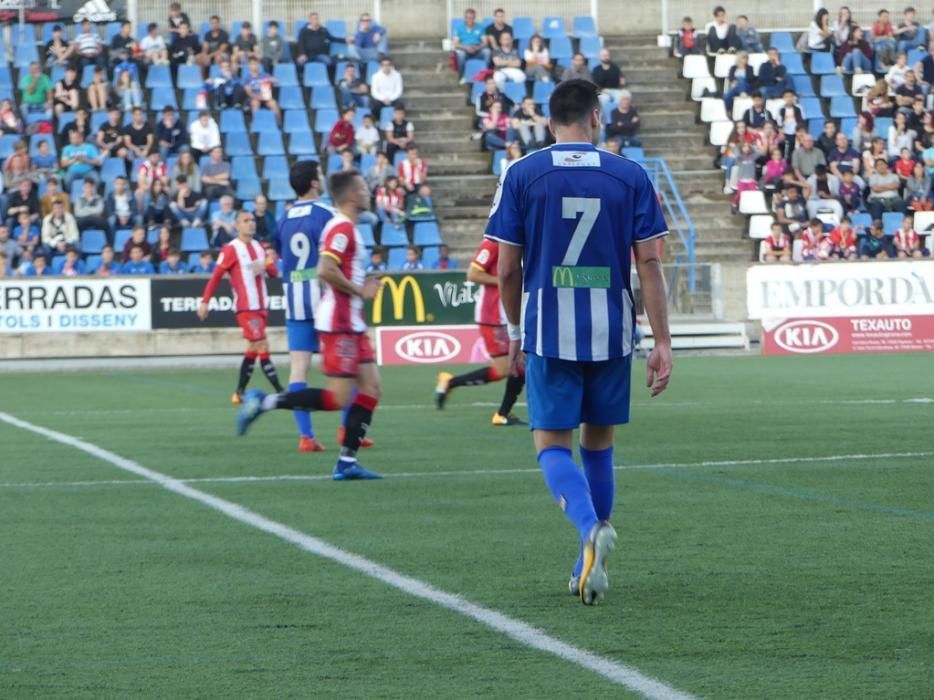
(843, 240)
(341, 137)
(495, 125)
(777, 246)
(413, 171)
(905, 165)
(390, 201)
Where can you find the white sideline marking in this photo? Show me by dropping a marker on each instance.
(517, 630)
(473, 472)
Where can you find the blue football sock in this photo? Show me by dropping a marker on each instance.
(598, 468)
(569, 487)
(302, 418)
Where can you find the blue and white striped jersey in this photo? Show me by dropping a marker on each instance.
(298, 234)
(576, 211)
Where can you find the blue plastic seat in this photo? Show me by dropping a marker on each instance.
(98, 119)
(515, 92)
(916, 55)
(93, 240)
(64, 120)
(476, 90)
(162, 98)
(295, 121)
(275, 167)
(783, 42)
(190, 101)
(816, 127)
(302, 143)
(24, 55)
(842, 107)
(334, 163)
(832, 86)
(393, 235)
(286, 74)
(891, 222)
(300, 24)
(189, 76)
(634, 153)
(793, 64)
(315, 74)
(822, 63)
(322, 97)
(802, 86)
(121, 236)
(473, 66)
(280, 190)
(87, 76)
(386, 115)
(583, 25)
(590, 46)
(541, 92)
(358, 116)
(560, 48)
(242, 167)
(232, 120)
(366, 232)
(263, 120)
(324, 121)
(337, 29)
(6, 77)
(847, 125)
(811, 107)
(882, 126)
(159, 76)
(523, 27)
(270, 144)
(248, 189)
(861, 222)
(291, 97)
(92, 263)
(427, 233)
(7, 142)
(367, 161)
(430, 256)
(553, 27)
(112, 168)
(396, 258)
(194, 240)
(237, 143)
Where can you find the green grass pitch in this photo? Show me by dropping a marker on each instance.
(752, 570)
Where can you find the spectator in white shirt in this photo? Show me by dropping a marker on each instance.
(204, 135)
(153, 46)
(367, 136)
(385, 86)
(895, 76)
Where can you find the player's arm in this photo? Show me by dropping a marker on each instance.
(509, 271)
(652, 284)
(477, 275)
(329, 271)
(219, 271)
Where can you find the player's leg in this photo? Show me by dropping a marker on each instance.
(246, 371)
(359, 418)
(342, 430)
(303, 341)
(513, 388)
(265, 361)
(447, 382)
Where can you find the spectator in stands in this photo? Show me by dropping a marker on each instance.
(855, 54)
(874, 245)
(400, 132)
(314, 42)
(24, 199)
(226, 86)
(123, 47)
(813, 247)
(495, 126)
(850, 192)
(6, 266)
(790, 210)
(413, 171)
(390, 201)
(265, 219)
(224, 223)
(877, 149)
(273, 47)
(186, 167)
(176, 19)
(741, 80)
(385, 86)
(884, 186)
(79, 159)
(883, 42)
(90, 208)
(52, 194)
(216, 43)
(107, 266)
(157, 208)
(367, 137)
(493, 32)
(907, 32)
(245, 47)
(36, 92)
(122, 207)
(827, 141)
(185, 48)
(215, 176)
(258, 88)
(513, 153)
(774, 80)
(924, 69)
(756, 116)
(538, 64)
(900, 136)
(66, 96)
(351, 90)
(151, 169)
(341, 137)
(129, 93)
(918, 189)
(877, 100)
(805, 159)
(377, 173)
(721, 35)
(842, 241)
(824, 193)
(170, 134)
(468, 42)
(917, 118)
(907, 243)
(773, 170)
(578, 69)
(81, 124)
(204, 135)
(791, 119)
(420, 206)
(59, 230)
(907, 93)
(187, 207)
(137, 264)
(205, 264)
(10, 122)
(377, 264)
(39, 268)
(842, 27)
(27, 234)
(138, 138)
(765, 139)
(904, 166)
(687, 41)
(486, 98)
(748, 35)
(164, 244)
(777, 246)
(17, 166)
(347, 161)
(154, 48)
(57, 51)
(109, 137)
(897, 74)
(444, 261)
(744, 172)
(842, 157)
(137, 238)
(528, 125)
(413, 259)
(172, 265)
(367, 39)
(624, 123)
(506, 62)
(88, 45)
(609, 78)
(819, 34)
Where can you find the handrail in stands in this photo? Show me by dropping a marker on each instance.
(679, 220)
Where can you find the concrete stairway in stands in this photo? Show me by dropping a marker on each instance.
(460, 175)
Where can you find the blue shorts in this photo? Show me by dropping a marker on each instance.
(563, 394)
(302, 336)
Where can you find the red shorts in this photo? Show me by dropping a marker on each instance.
(343, 353)
(496, 340)
(253, 324)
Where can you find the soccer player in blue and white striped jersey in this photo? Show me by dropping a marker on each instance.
(568, 219)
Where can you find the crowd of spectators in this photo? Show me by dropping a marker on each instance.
(843, 194)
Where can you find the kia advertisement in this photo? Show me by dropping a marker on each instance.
(429, 345)
(833, 335)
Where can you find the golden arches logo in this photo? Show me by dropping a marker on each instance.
(397, 293)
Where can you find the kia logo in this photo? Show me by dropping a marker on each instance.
(806, 337)
(428, 347)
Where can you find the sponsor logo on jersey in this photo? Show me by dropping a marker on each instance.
(567, 276)
(575, 159)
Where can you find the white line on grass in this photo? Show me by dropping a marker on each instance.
(519, 631)
(475, 472)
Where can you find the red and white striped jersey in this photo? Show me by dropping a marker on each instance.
(781, 242)
(237, 259)
(489, 309)
(338, 312)
(907, 240)
(810, 243)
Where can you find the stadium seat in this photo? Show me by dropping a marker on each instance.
(112, 168)
(160, 77)
(541, 92)
(793, 64)
(473, 67)
(300, 24)
(430, 256)
(194, 240)
(811, 108)
(162, 98)
(358, 116)
(232, 120)
(334, 163)
(263, 120)
(862, 83)
(393, 235)
(822, 63)
(816, 127)
(92, 263)
(740, 105)
(324, 121)
(292, 98)
(396, 258)
(924, 220)
(476, 90)
(634, 153)
(756, 60)
(590, 46)
(713, 109)
(523, 27)
(386, 116)
(87, 76)
(280, 190)
(242, 167)
(93, 240)
(700, 85)
(782, 41)
(64, 120)
(497, 165)
(189, 76)
(237, 143)
(560, 48)
(366, 233)
(6, 77)
(397, 159)
(302, 143)
(802, 85)
(7, 142)
(720, 133)
(842, 107)
(861, 222)
(367, 161)
(916, 55)
(295, 121)
(752, 202)
(275, 167)
(248, 189)
(515, 92)
(24, 55)
(315, 74)
(121, 236)
(891, 222)
(322, 97)
(427, 233)
(192, 100)
(337, 28)
(194, 260)
(286, 74)
(270, 144)
(695, 67)
(832, 86)
(847, 125)
(553, 27)
(882, 126)
(722, 64)
(760, 225)
(583, 26)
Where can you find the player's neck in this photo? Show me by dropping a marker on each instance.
(244, 239)
(574, 134)
(351, 213)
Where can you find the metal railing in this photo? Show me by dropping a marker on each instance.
(676, 213)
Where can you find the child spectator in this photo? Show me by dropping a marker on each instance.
(109, 137)
(444, 261)
(122, 207)
(790, 210)
(172, 265)
(745, 171)
(138, 238)
(137, 264)
(412, 260)
(226, 87)
(721, 35)
(258, 88)
(88, 45)
(205, 264)
(907, 32)
(45, 164)
(874, 245)
(129, 93)
(855, 55)
(273, 47)
(413, 170)
(907, 242)
(748, 35)
(538, 63)
(216, 43)
(341, 137)
(777, 246)
(687, 43)
(183, 49)
(10, 122)
(59, 230)
(367, 136)
(245, 47)
(347, 163)
(918, 189)
(377, 264)
(824, 193)
(773, 170)
(73, 266)
(98, 92)
(883, 42)
(66, 96)
(400, 132)
(57, 50)
(38, 268)
(108, 266)
(155, 50)
(842, 240)
(390, 201)
(351, 90)
(420, 206)
(850, 193)
(189, 208)
(123, 49)
(812, 239)
(905, 165)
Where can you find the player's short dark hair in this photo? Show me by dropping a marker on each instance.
(573, 101)
(340, 183)
(302, 175)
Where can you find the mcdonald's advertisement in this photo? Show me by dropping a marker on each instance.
(425, 298)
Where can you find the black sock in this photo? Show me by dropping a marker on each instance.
(246, 371)
(475, 378)
(513, 388)
(307, 400)
(270, 371)
(358, 422)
